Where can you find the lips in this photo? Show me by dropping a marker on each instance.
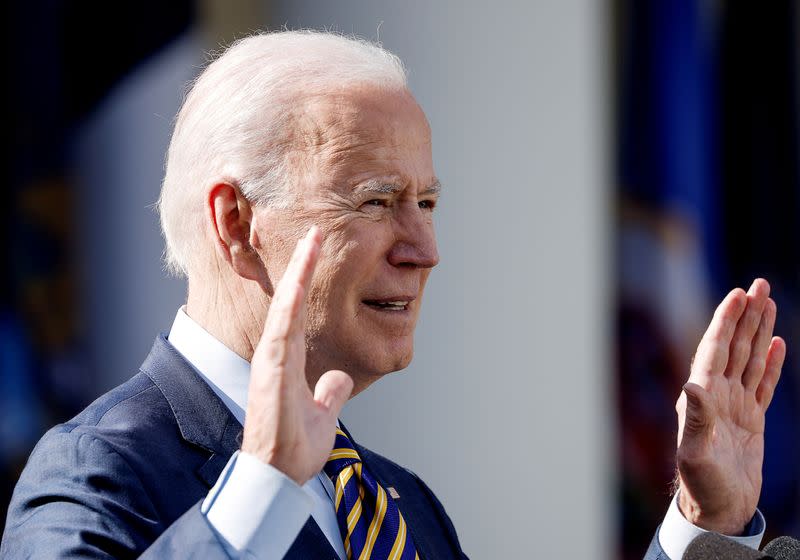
(391, 303)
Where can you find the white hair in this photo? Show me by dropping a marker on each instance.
(235, 123)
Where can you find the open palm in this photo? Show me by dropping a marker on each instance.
(721, 412)
(287, 426)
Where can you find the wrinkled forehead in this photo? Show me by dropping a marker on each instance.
(351, 131)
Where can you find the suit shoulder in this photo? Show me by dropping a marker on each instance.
(125, 412)
(373, 458)
(133, 420)
(124, 448)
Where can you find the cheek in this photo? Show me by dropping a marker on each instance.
(354, 251)
(358, 250)
(335, 279)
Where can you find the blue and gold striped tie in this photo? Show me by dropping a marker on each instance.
(371, 525)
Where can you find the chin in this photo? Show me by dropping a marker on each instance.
(400, 361)
(393, 360)
(399, 365)
(372, 370)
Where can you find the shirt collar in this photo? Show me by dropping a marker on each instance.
(227, 373)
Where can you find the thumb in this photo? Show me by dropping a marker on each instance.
(332, 391)
(699, 411)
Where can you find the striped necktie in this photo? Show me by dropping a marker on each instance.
(371, 525)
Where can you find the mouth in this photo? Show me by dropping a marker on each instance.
(391, 304)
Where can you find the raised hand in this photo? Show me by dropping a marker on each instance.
(721, 412)
(287, 426)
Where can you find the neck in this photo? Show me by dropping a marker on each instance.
(232, 311)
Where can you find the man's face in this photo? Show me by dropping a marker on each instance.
(365, 177)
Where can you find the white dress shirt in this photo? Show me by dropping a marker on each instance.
(676, 532)
(258, 511)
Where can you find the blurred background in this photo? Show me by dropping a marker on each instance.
(611, 170)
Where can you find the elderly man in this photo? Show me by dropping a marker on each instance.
(298, 200)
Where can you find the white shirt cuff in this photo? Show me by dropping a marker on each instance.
(256, 508)
(676, 532)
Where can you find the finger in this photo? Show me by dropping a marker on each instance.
(697, 418)
(300, 271)
(290, 293)
(772, 372)
(332, 391)
(754, 370)
(285, 317)
(302, 263)
(712, 352)
(742, 342)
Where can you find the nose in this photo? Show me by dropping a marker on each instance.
(415, 240)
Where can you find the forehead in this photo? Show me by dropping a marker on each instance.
(362, 132)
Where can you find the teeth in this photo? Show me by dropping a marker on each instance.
(397, 305)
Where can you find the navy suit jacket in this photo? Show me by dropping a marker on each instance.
(126, 477)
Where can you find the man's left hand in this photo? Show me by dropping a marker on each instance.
(721, 412)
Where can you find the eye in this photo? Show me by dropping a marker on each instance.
(427, 204)
(376, 203)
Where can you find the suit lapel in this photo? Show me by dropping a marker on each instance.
(231, 441)
(205, 421)
(311, 543)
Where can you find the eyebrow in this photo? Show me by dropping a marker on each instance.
(383, 186)
(378, 186)
(434, 189)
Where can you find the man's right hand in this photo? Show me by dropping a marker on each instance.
(286, 425)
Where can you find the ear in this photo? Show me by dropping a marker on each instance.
(232, 215)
